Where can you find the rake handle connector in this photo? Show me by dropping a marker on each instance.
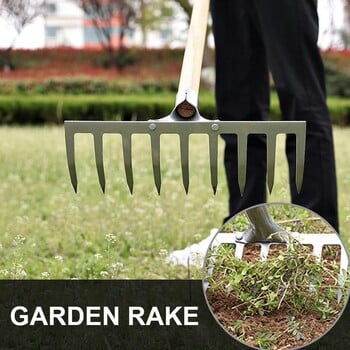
(185, 110)
(186, 104)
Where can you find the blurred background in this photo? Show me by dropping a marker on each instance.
(126, 46)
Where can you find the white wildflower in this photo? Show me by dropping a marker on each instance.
(109, 237)
(104, 274)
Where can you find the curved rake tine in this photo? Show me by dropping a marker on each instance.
(242, 160)
(239, 251)
(344, 267)
(213, 154)
(264, 250)
(271, 156)
(155, 147)
(344, 262)
(184, 161)
(98, 143)
(127, 154)
(70, 151)
(300, 157)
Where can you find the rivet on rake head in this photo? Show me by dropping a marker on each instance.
(152, 126)
(215, 127)
(239, 236)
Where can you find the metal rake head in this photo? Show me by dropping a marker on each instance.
(185, 120)
(175, 124)
(316, 240)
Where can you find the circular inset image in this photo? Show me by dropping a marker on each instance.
(276, 276)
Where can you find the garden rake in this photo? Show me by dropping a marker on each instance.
(184, 120)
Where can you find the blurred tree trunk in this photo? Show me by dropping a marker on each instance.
(345, 34)
(153, 15)
(103, 15)
(186, 6)
(18, 13)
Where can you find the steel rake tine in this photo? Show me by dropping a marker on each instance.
(184, 160)
(344, 266)
(343, 259)
(317, 250)
(70, 151)
(155, 149)
(239, 250)
(213, 154)
(264, 251)
(271, 158)
(300, 140)
(242, 160)
(127, 154)
(98, 143)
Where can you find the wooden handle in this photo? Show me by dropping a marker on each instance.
(193, 57)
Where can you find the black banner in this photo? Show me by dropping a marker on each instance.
(135, 314)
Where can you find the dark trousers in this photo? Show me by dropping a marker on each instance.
(251, 38)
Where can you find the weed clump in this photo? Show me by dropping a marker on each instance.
(262, 302)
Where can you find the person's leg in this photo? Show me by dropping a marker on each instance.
(290, 31)
(242, 93)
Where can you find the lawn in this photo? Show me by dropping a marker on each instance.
(48, 231)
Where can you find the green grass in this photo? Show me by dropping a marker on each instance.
(47, 231)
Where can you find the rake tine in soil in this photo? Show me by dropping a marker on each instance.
(213, 155)
(242, 160)
(184, 161)
(239, 249)
(264, 250)
(127, 155)
(70, 152)
(98, 144)
(155, 149)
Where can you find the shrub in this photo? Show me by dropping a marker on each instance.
(36, 109)
(337, 69)
(86, 85)
(55, 109)
(338, 82)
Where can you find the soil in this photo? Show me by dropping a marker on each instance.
(228, 311)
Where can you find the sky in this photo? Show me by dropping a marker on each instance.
(32, 36)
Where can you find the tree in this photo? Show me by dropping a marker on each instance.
(186, 7)
(19, 13)
(104, 16)
(345, 33)
(152, 14)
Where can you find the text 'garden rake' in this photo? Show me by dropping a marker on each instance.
(185, 120)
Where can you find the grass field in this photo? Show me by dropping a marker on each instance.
(47, 231)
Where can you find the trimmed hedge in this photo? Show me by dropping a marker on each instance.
(39, 109)
(86, 86)
(338, 82)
